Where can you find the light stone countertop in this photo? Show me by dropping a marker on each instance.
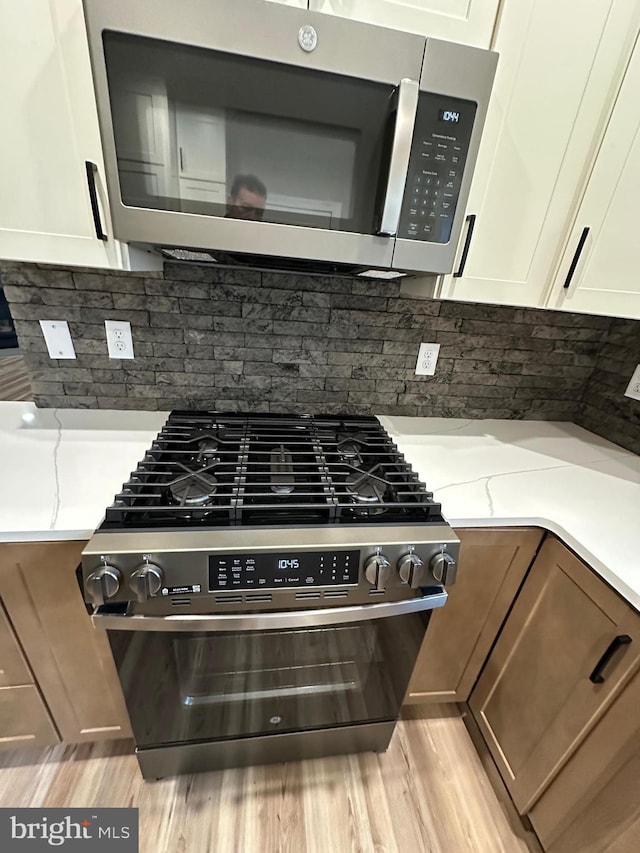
(62, 467)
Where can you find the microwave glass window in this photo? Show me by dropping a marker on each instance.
(206, 132)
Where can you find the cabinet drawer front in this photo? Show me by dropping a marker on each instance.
(13, 667)
(24, 720)
(535, 700)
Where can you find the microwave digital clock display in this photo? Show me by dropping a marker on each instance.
(449, 115)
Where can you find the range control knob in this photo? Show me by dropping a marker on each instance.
(444, 568)
(410, 569)
(376, 570)
(103, 584)
(146, 581)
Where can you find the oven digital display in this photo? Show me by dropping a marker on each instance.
(283, 569)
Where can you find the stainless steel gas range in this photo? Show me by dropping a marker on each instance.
(265, 582)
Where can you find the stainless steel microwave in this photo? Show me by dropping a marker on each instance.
(252, 128)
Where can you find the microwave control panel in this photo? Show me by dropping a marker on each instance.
(441, 137)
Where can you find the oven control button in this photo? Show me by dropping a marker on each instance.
(376, 570)
(103, 584)
(444, 568)
(146, 581)
(410, 570)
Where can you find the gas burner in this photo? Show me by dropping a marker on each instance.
(350, 452)
(367, 491)
(208, 450)
(194, 489)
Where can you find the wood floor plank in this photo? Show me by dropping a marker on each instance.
(14, 379)
(427, 794)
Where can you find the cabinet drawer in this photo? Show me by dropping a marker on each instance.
(24, 720)
(13, 667)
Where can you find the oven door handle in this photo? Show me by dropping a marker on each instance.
(264, 621)
(407, 108)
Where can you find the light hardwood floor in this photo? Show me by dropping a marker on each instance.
(427, 794)
(14, 379)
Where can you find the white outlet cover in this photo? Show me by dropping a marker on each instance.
(119, 340)
(427, 359)
(58, 338)
(633, 388)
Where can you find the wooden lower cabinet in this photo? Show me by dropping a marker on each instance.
(70, 660)
(535, 701)
(24, 719)
(593, 804)
(14, 669)
(493, 563)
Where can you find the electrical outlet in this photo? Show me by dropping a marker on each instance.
(427, 359)
(58, 338)
(633, 388)
(119, 340)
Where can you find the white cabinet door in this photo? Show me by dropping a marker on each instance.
(465, 21)
(604, 276)
(202, 159)
(301, 4)
(560, 65)
(49, 130)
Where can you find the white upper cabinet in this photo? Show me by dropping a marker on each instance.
(600, 269)
(49, 131)
(465, 21)
(559, 69)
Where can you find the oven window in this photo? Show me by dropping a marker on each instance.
(206, 132)
(190, 687)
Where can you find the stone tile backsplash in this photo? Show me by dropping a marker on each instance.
(244, 340)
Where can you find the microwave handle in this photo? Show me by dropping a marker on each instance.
(435, 597)
(400, 153)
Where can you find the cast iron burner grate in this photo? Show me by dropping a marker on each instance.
(207, 469)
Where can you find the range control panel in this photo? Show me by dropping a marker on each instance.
(439, 151)
(283, 569)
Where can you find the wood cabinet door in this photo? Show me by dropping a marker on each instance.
(13, 667)
(24, 719)
(594, 802)
(70, 659)
(603, 250)
(493, 564)
(464, 21)
(535, 701)
(549, 107)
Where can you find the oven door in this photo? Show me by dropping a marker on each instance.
(197, 679)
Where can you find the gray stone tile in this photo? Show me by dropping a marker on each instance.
(135, 404)
(303, 356)
(430, 307)
(321, 396)
(310, 370)
(28, 275)
(119, 283)
(261, 368)
(304, 330)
